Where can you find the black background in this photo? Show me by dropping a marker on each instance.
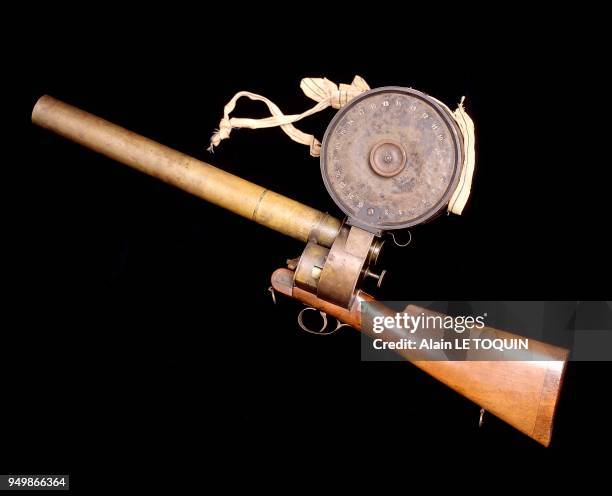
(144, 327)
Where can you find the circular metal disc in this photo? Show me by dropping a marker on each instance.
(391, 158)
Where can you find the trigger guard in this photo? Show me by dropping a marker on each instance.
(322, 331)
(339, 325)
(300, 320)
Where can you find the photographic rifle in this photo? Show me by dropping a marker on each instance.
(386, 169)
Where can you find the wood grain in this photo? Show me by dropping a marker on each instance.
(522, 393)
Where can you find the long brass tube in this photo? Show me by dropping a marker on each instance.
(194, 176)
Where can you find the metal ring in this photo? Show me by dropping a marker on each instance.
(300, 320)
(405, 244)
(271, 289)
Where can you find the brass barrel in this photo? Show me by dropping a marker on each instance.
(194, 176)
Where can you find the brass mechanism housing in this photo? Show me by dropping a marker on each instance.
(334, 274)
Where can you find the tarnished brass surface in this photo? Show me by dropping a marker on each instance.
(325, 230)
(391, 158)
(344, 268)
(388, 158)
(375, 250)
(310, 266)
(194, 176)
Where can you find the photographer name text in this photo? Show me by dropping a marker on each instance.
(499, 344)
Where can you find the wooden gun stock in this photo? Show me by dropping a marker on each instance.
(522, 393)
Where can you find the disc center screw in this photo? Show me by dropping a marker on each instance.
(387, 158)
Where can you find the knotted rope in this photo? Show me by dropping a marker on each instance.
(323, 91)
